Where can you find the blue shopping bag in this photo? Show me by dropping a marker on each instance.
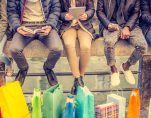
(70, 108)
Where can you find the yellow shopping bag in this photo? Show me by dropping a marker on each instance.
(12, 101)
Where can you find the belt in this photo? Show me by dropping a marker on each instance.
(39, 22)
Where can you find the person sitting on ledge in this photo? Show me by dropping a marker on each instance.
(119, 21)
(77, 28)
(3, 37)
(30, 20)
(146, 19)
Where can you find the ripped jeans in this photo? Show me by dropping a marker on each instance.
(136, 39)
(52, 41)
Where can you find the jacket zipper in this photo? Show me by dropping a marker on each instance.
(22, 14)
(43, 11)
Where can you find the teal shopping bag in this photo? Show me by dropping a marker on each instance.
(53, 102)
(36, 104)
(84, 103)
(70, 108)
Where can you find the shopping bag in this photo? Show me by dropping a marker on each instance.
(53, 102)
(84, 103)
(0, 113)
(134, 105)
(120, 101)
(70, 108)
(108, 110)
(149, 114)
(36, 104)
(12, 101)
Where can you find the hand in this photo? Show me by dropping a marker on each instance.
(45, 30)
(68, 17)
(22, 32)
(83, 17)
(113, 27)
(125, 33)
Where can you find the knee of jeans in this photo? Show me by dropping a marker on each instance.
(57, 50)
(15, 50)
(142, 48)
(108, 43)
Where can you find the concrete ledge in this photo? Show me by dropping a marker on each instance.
(37, 49)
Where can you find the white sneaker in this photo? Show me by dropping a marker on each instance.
(115, 80)
(128, 76)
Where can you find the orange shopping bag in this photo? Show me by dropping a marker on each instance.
(134, 105)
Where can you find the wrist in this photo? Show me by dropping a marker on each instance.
(127, 27)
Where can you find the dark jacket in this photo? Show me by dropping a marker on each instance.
(131, 12)
(145, 20)
(90, 11)
(15, 11)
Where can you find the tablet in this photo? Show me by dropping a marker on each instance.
(76, 11)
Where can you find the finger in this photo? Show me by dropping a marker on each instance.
(127, 36)
(124, 37)
(121, 35)
(43, 28)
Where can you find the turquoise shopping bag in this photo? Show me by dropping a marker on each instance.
(53, 102)
(36, 104)
(84, 103)
(70, 108)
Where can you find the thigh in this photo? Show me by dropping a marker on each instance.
(52, 41)
(69, 37)
(85, 39)
(20, 42)
(111, 38)
(137, 38)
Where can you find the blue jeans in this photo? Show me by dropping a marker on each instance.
(52, 41)
(148, 37)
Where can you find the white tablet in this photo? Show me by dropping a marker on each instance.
(76, 11)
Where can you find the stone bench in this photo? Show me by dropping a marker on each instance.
(37, 49)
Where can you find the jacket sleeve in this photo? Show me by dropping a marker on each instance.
(62, 16)
(90, 10)
(101, 15)
(13, 14)
(135, 13)
(3, 19)
(145, 11)
(54, 13)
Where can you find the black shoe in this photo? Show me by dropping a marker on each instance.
(51, 77)
(81, 81)
(21, 75)
(77, 82)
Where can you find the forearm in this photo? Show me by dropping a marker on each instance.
(101, 15)
(134, 16)
(13, 15)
